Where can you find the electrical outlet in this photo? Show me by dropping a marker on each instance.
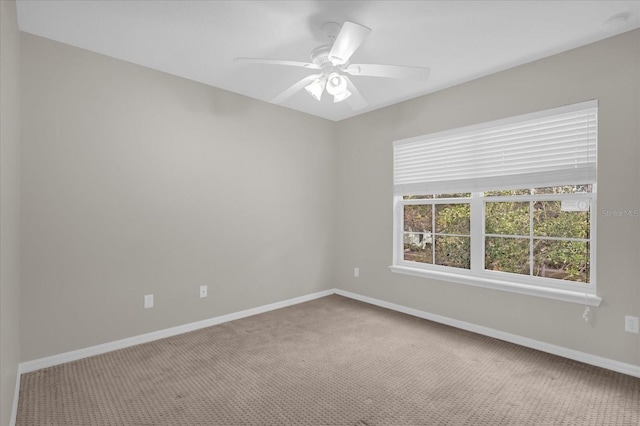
(148, 301)
(631, 324)
(203, 291)
(356, 272)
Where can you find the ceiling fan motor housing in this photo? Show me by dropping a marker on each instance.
(320, 56)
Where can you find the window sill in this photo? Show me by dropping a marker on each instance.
(571, 296)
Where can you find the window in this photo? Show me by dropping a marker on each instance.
(506, 204)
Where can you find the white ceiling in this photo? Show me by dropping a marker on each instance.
(198, 40)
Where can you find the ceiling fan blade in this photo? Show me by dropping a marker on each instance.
(351, 36)
(356, 101)
(293, 89)
(308, 65)
(389, 71)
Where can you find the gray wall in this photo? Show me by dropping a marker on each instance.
(608, 71)
(138, 182)
(9, 205)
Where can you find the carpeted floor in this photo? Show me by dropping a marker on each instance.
(331, 361)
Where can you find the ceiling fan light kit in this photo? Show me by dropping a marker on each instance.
(333, 63)
(316, 88)
(337, 84)
(339, 97)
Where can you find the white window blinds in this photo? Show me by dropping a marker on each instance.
(547, 148)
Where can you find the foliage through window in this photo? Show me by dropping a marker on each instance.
(438, 233)
(525, 231)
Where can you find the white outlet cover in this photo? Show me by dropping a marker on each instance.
(631, 324)
(203, 291)
(148, 301)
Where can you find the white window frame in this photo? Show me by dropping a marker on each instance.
(582, 293)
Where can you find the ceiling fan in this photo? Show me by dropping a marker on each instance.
(332, 63)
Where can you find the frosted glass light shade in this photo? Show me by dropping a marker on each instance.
(336, 84)
(341, 96)
(316, 88)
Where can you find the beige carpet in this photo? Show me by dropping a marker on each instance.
(331, 361)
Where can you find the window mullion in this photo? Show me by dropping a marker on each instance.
(433, 233)
(477, 232)
(531, 206)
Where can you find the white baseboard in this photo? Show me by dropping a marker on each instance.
(50, 361)
(609, 364)
(16, 395)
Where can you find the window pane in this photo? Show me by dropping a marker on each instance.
(453, 251)
(457, 195)
(567, 189)
(507, 192)
(418, 247)
(417, 218)
(453, 218)
(417, 197)
(564, 260)
(507, 255)
(508, 218)
(550, 221)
